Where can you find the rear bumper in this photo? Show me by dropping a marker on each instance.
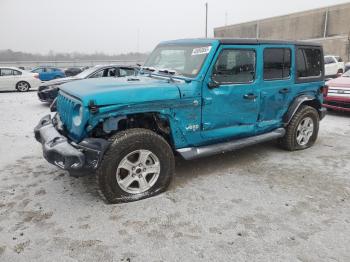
(65, 154)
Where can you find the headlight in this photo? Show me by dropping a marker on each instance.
(52, 87)
(78, 115)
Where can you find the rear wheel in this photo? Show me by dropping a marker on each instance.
(22, 86)
(302, 130)
(139, 164)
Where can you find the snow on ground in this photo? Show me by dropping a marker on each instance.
(256, 204)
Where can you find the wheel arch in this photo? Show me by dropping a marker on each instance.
(305, 99)
(158, 122)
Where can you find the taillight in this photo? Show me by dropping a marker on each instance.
(324, 90)
(36, 76)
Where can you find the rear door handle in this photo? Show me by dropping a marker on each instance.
(284, 91)
(250, 96)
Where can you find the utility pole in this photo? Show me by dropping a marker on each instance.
(138, 46)
(206, 20)
(138, 40)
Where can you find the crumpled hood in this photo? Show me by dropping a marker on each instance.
(123, 90)
(340, 81)
(59, 81)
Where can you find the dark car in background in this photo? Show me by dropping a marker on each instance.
(47, 73)
(73, 71)
(48, 91)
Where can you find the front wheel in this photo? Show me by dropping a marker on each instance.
(138, 164)
(22, 86)
(302, 130)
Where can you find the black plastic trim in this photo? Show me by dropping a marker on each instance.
(298, 101)
(67, 155)
(203, 151)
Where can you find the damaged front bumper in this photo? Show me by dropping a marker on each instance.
(63, 153)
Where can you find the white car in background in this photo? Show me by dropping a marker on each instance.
(334, 66)
(12, 78)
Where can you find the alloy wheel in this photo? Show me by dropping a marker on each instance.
(138, 171)
(305, 130)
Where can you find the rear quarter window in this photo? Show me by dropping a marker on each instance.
(309, 64)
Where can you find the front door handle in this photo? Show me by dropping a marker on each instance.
(250, 96)
(284, 91)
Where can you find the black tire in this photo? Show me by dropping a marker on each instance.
(22, 86)
(124, 143)
(289, 141)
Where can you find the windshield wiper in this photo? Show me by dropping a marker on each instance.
(168, 71)
(148, 68)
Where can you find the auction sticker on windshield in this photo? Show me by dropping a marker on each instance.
(201, 50)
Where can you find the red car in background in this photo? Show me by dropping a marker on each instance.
(337, 95)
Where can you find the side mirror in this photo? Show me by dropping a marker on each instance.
(213, 84)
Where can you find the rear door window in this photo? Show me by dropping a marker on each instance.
(6, 72)
(277, 63)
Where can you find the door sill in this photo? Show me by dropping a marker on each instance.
(190, 153)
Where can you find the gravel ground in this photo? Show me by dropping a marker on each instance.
(257, 204)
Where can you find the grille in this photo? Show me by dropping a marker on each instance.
(65, 107)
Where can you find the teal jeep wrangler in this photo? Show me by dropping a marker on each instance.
(193, 98)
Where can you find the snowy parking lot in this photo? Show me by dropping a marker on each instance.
(256, 204)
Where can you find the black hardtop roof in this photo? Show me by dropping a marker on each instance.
(238, 41)
(251, 41)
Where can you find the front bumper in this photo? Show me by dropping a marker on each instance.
(337, 103)
(65, 154)
(47, 95)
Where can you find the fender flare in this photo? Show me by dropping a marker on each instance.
(109, 122)
(297, 102)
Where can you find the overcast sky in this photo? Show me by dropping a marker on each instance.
(113, 26)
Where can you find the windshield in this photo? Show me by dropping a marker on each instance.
(346, 74)
(185, 60)
(87, 72)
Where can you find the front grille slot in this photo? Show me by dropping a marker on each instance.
(65, 107)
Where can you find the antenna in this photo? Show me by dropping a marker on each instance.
(206, 20)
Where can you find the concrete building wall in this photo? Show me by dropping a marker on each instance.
(329, 26)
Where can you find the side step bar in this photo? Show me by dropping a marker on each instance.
(189, 153)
